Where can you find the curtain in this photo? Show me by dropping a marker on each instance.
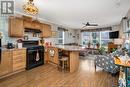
(97, 29)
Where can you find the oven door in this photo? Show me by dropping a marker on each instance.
(34, 58)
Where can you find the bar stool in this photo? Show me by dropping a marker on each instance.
(63, 63)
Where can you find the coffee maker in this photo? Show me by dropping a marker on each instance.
(9, 45)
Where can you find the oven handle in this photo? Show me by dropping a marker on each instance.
(34, 50)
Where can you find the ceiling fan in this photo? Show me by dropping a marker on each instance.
(88, 24)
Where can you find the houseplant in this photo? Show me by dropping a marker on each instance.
(102, 50)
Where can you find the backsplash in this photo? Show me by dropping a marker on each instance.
(31, 37)
(4, 30)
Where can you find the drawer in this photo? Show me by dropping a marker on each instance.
(18, 61)
(22, 56)
(19, 58)
(19, 66)
(19, 52)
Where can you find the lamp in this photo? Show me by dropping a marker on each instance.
(30, 8)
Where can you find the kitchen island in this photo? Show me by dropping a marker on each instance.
(73, 55)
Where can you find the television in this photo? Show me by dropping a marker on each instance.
(114, 34)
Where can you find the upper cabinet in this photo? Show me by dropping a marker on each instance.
(32, 24)
(27, 24)
(37, 25)
(16, 27)
(46, 31)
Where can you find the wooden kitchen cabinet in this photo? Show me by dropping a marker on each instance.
(19, 59)
(32, 25)
(46, 31)
(16, 28)
(53, 58)
(27, 24)
(12, 61)
(37, 25)
(6, 63)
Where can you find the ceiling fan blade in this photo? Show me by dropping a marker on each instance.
(93, 25)
(83, 26)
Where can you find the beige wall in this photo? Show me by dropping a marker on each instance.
(117, 28)
(128, 14)
(68, 38)
(123, 25)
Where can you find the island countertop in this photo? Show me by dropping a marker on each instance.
(73, 55)
(69, 48)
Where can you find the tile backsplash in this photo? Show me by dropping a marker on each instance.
(4, 30)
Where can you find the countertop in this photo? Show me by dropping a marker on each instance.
(5, 49)
(68, 48)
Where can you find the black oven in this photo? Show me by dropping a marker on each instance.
(34, 55)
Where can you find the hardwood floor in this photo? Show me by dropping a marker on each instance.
(48, 76)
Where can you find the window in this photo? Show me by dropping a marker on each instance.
(85, 38)
(96, 37)
(105, 38)
(61, 37)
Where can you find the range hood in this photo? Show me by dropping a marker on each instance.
(32, 30)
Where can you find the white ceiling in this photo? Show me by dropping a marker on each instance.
(72, 13)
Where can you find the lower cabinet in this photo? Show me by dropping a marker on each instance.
(19, 59)
(12, 61)
(6, 63)
(52, 55)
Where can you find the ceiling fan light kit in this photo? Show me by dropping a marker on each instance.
(30, 8)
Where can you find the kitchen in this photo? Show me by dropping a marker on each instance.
(29, 44)
(56, 43)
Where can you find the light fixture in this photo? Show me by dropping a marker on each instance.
(30, 8)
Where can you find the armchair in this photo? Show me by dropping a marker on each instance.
(106, 62)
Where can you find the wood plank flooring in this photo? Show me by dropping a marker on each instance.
(48, 76)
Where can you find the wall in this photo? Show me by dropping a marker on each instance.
(117, 28)
(124, 25)
(68, 38)
(6, 38)
(128, 14)
(4, 30)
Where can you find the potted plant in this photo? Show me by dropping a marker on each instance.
(102, 50)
